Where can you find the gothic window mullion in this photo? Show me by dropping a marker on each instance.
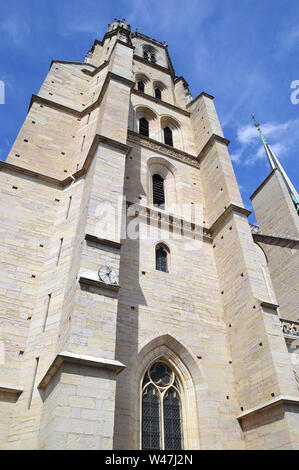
(161, 409)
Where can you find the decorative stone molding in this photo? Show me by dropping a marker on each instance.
(7, 388)
(280, 401)
(290, 328)
(174, 223)
(99, 284)
(156, 66)
(212, 140)
(4, 166)
(164, 103)
(136, 34)
(81, 113)
(163, 149)
(203, 93)
(275, 240)
(269, 305)
(74, 358)
(231, 208)
(102, 241)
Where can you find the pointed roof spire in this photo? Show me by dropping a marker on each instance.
(275, 164)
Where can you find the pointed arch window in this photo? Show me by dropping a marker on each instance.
(162, 255)
(140, 86)
(143, 127)
(168, 138)
(161, 409)
(158, 93)
(158, 191)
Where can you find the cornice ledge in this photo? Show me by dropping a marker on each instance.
(165, 149)
(231, 208)
(63, 183)
(54, 104)
(161, 102)
(8, 388)
(269, 305)
(156, 66)
(136, 34)
(91, 73)
(172, 220)
(83, 359)
(99, 284)
(100, 139)
(203, 93)
(40, 176)
(263, 183)
(287, 242)
(278, 401)
(84, 112)
(120, 78)
(214, 138)
(70, 62)
(102, 241)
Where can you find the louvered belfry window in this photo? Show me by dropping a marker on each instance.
(140, 86)
(143, 127)
(161, 409)
(158, 93)
(161, 259)
(168, 136)
(158, 191)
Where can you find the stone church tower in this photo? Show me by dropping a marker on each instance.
(139, 309)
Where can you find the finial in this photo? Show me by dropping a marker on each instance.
(259, 129)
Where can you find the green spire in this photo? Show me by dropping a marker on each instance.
(259, 129)
(275, 164)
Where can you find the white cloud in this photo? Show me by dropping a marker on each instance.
(15, 30)
(283, 137)
(289, 39)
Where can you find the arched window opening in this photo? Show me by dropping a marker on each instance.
(143, 127)
(161, 259)
(158, 191)
(140, 86)
(168, 139)
(146, 55)
(149, 54)
(158, 93)
(161, 409)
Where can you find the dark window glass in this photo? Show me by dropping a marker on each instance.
(168, 136)
(150, 420)
(153, 58)
(158, 191)
(158, 93)
(161, 259)
(141, 86)
(172, 421)
(143, 127)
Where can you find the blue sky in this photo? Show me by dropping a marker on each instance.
(245, 53)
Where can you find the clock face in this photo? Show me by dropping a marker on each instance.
(107, 275)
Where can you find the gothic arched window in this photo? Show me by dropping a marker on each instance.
(149, 54)
(140, 86)
(158, 191)
(161, 409)
(162, 255)
(143, 127)
(158, 93)
(168, 136)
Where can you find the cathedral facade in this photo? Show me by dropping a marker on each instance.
(139, 309)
